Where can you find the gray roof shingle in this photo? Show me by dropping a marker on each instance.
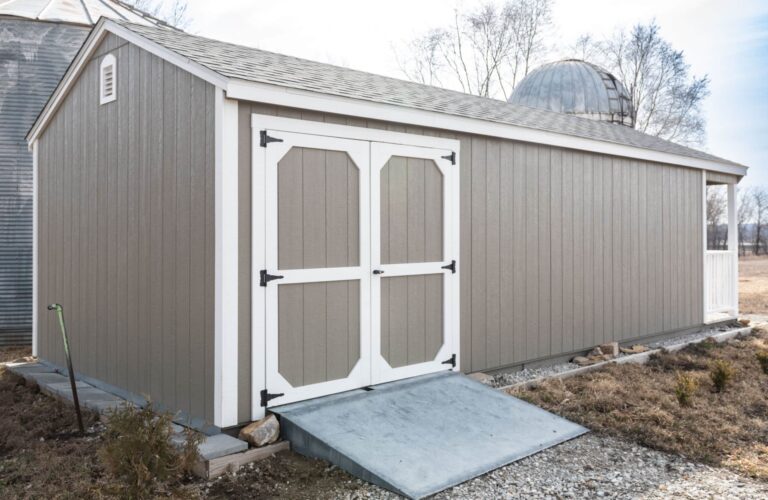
(256, 65)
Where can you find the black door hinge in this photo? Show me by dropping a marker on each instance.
(450, 361)
(451, 267)
(267, 397)
(266, 278)
(265, 139)
(451, 157)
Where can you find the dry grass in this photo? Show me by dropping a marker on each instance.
(753, 285)
(639, 403)
(11, 354)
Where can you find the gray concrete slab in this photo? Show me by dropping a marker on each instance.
(419, 436)
(45, 379)
(65, 388)
(104, 407)
(27, 369)
(220, 445)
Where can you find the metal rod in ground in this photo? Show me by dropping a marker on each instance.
(60, 313)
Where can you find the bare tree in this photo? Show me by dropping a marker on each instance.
(425, 62)
(174, 13)
(667, 99)
(585, 48)
(485, 51)
(760, 201)
(744, 216)
(716, 210)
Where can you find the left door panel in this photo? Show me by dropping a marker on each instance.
(317, 215)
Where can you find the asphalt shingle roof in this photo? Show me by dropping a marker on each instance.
(256, 65)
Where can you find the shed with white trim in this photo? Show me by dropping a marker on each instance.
(231, 229)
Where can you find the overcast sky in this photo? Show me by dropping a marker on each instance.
(726, 40)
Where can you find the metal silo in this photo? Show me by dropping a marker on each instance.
(38, 39)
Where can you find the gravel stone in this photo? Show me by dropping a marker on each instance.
(596, 466)
(510, 378)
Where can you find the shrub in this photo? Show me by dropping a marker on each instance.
(721, 374)
(685, 387)
(138, 450)
(762, 358)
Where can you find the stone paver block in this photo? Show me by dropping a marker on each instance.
(65, 388)
(220, 445)
(29, 369)
(46, 379)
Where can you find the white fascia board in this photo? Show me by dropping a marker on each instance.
(226, 262)
(302, 99)
(83, 56)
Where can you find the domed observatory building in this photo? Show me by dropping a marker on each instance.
(38, 39)
(578, 88)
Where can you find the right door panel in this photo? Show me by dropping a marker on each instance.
(412, 202)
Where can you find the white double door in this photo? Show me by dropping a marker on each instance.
(360, 249)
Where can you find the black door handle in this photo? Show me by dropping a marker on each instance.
(378, 271)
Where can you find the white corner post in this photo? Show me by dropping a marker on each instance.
(226, 257)
(35, 258)
(733, 242)
(258, 262)
(704, 277)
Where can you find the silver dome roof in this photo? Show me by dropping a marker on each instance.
(576, 87)
(83, 12)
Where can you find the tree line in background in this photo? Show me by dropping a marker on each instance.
(751, 220)
(491, 46)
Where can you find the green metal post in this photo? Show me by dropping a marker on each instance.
(60, 312)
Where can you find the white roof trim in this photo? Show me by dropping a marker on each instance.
(284, 96)
(315, 101)
(90, 45)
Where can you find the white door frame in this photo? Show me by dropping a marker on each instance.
(260, 198)
(381, 369)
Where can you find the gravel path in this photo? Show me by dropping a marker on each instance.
(594, 466)
(516, 377)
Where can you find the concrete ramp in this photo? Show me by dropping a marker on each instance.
(419, 436)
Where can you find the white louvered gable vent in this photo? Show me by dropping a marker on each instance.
(108, 80)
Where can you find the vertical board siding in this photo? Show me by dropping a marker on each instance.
(319, 331)
(126, 231)
(411, 318)
(560, 249)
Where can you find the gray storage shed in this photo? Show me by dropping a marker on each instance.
(231, 229)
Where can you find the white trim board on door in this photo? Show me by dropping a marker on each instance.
(319, 135)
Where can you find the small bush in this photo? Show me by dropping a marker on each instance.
(721, 374)
(685, 387)
(762, 358)
(137, 449)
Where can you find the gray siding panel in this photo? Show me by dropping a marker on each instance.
(560, 249)
(126, 231)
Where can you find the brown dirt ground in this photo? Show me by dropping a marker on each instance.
(42, 457)
(638, 403)
(753, 285)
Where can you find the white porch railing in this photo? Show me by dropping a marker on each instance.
(720, 291)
